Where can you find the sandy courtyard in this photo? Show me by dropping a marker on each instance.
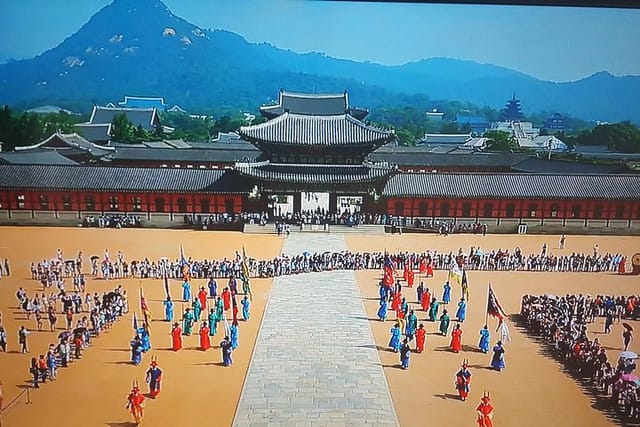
(532, 391)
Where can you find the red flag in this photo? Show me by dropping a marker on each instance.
(494, 308)
(387, 278)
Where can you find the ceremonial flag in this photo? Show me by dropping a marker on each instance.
(184, 265)
(135, 322)
(455, 274)
(245, 275)
(387, 278)
(465, 285)
(166, 282)
(504, 332)
(144, 307)
(494, 308)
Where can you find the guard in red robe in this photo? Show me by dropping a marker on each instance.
(410, 278)
(226, 299)
(135, 403)
(621, 266)
(396, 301)
(456, 339)
(426, 300)
(485, 412)
(205, 341)
(202, 296)
(423, 266)
(421, 337)
(176, 337)
(430, 270)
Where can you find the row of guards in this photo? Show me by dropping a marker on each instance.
(456, 275)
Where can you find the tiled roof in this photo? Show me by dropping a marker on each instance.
(441, 138)
(411, 156)
(313, 104)
(146, 117)
(539, 165)
(67, 143)
(195, 155)
(314, 173)
(295, 129)
(143, 102)
(35, 157)
(514, 185)
(97, 132)
(102, 178)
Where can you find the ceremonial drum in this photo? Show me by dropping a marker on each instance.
(635, 264)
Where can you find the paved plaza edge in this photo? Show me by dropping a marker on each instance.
(315, 362)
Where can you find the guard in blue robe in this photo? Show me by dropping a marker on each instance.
(461, 314)
(246, 304)
(396, 334)
(233, 334)
(168, 310)
(382, 311)
(404, 306)
(446, 293)
(145, 338)
(213, 288)
(484, 339)
(412, 325)
(136, 350)
(225, 347)
(420, 292)
(444, 323)
(186, 291)
(497, 361)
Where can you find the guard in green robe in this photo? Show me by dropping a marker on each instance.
(197, 309)
(187, 322)
(213, 323)
(219, 309)
(433, 310)
(444, 323)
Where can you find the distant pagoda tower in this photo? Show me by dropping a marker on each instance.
(316, 143)
(512, 111)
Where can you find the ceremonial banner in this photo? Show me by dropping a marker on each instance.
(145, 308)
(245, 275)
(387, 278)
(455, 274)
(184, 265)
(465, 285)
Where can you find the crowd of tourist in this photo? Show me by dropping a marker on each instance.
(52, 272)
(85, 318)
(562, 323)
(112, 221)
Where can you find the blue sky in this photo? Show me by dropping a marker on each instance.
(550, 43)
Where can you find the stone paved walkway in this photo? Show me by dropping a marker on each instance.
(315, 362)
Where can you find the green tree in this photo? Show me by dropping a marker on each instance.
(500, 141)
(121, 128)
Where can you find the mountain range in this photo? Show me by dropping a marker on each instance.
(138, 47)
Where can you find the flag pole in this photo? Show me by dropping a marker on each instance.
(486, 315)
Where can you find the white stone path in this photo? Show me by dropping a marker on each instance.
(315, 362)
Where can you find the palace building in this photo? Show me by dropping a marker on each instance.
(313, 153)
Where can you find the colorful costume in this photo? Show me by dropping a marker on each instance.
(135, 403)
(168, 310)
(412, 325)
(225, 347)
(446, 293)
(382, 311)
(421, 337)
(136, 350)
(497, 361)
(396, 334)
(197, 309)
(154, 376)
(484, 340)
(205, 342)
(226, 299)
(213, 288)
(246, 304)
(444, 323)
(463, 379)
(485, 412)
(187, 322)
(405, 354)
(233, 333)
(176, 337)
(461, 314)
(433, 310)
(213, 323)
(456, 339)
(186, 291)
